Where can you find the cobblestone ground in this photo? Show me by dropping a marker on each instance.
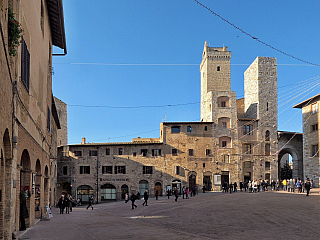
(264, 215)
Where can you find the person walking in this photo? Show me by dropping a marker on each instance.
(157, 194)
(126, 197)
(176, 194)
(67, 204)
(145, 197)
(187, 193)
(62, 204)
(235, 185)
(168, 193)
(307, 186)
(90, 202)
(183, 191)
(133, 199)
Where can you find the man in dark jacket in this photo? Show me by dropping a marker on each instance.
(133, 199)
(145, 197)
(307, 186)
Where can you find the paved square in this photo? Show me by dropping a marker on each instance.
(264, 215)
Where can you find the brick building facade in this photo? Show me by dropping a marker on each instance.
(28, 119)
(236, 140)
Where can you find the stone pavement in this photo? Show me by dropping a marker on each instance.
(264, 215)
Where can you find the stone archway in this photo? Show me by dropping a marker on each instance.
(284, 158)
(46, 193)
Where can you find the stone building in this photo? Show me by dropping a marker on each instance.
(28, 119)
(311, 119)
(235, 141)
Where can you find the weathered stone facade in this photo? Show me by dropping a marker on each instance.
(311, 136)
(28, 119)
(235, 141)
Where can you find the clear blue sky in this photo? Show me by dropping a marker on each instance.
(147, 53)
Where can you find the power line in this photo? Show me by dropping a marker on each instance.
(130, 107)
(254, 38)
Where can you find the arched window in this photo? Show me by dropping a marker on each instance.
(225, 142)
(267, 135)
(108, 192)
(84, 192)
(143, 186)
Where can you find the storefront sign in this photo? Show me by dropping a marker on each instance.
(114, 179)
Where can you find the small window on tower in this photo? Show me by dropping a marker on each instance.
(218, 68)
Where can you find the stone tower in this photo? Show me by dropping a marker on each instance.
(217, 100)
(261, 94)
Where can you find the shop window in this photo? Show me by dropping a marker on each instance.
(93, 153)
(315, 150)
(84, 169)
(78, 153)
(120, 169)
(106, 169)
(144, 152)
(108, 192)
(174, 152)
(156, 152)
(65, 170)
(175, 129)
(108, 151)
(147, 169)
(191, 152)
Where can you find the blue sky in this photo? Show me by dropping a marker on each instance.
(147, 53)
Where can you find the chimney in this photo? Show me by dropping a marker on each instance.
(83, 140)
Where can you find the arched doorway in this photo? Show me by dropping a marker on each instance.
(207, 181)
(143, 186)
(192, 181)
(288, 164)
(46, 187)
(84, 192)
(158, 187)
(124, 190)
(25, 183)
(108, 192)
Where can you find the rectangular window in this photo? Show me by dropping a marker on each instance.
(314, 127)
(247, 148)
(93, 153)
(226, 158)
(156, 152)
(224, 144)
(190, 152)
(144, 152)
(119, 169)
(315, 150)
(84, 169)
(25, 65)
(223, 104)
(65, 170)
(177, 170)
(314, 108)
(175, 129)
(224, 125)
(208, 152)
(267, 165)
(147, 169)
(78, 153)
(106, 169)
(204, 165)
(247, 164)
(120, 151)
(205, 128)
(267, 149)
(134, 154)
(247, 129)
(174, 152)
(108, 151)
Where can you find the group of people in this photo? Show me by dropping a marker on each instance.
(65, 202)
(290, 185)
(185, 195)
